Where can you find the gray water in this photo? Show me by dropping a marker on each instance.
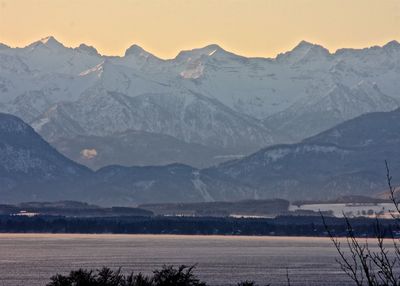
(30, 259)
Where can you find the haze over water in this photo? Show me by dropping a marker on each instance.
(221, 260)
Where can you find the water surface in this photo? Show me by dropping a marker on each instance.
(30, 259)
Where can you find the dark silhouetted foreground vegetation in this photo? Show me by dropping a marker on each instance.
(167, 276)
(363, 264)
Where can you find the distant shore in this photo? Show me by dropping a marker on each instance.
(301, 226)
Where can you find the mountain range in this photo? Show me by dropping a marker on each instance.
(32, 170)
(346, 159)
(208, 105)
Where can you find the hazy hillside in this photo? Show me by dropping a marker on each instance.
(29, 167)
(31, 170)
(137, 148)
(345, 160)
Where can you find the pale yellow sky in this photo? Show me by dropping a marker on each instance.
(164, 27)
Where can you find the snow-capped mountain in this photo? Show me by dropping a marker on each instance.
(206, 96)
(311, 115)
(186, 116)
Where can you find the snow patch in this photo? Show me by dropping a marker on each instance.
(213, 52)
(201, 187)
(194, 73)
(144, 185)
(38, 125)
(276, 154)
(89, 153)
(99, 69)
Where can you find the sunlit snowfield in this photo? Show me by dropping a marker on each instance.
(222, 260)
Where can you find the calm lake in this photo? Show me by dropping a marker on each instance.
(30, 259)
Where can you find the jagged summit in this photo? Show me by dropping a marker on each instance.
(134, 50)
(304, 51)
(49, 42)
(304, 44)
(392, 45)
(138, 51)
(212, 48)
(303, 48)
(88, 49)
(212, 51)
(308, 46)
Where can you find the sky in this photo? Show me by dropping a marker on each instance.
(261, 28)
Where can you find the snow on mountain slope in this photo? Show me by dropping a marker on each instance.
(118, 77)
(187, 116)
(372, 129)
(296, 94)
(49, 55)
(310, 115)
(306, 54)
(43, 69)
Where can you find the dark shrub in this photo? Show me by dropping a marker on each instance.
(166, 276)
(170, 276)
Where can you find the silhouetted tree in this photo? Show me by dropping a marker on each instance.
(166, 276)
(363, 265)
(59, 280)
(170, 276)
(138, 280)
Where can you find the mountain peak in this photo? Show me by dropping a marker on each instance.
(49, 39)
(304, 51)
(209, 50)
(304, 45)
(213, 47)
(137, 50)
(49, 42)
(392, 45)
(89, 49)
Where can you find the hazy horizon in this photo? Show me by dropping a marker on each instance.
(43, 39)
(250, 28)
